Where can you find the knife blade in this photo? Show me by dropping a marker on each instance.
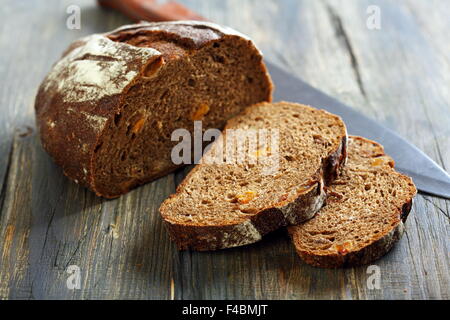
(426, 174)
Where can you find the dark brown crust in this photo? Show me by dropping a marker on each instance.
(190, 36)
(368, 254)
(364, 256)
(72, 134)
(333, 165)
(207, 238)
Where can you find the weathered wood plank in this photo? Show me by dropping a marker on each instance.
(15, 218)
(398, 75)
(411, 98)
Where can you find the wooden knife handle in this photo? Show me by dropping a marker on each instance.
(151, 10)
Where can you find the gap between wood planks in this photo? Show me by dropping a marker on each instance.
(4, 185)
(341, 34)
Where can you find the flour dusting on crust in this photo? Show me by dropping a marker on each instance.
(97, 68)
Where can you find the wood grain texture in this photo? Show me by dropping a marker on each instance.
(399, 75)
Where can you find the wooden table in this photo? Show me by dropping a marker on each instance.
(399, 75)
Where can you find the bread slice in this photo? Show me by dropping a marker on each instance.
(227, 205)
(108, 107)
(366, 208)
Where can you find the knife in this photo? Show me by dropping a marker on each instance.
(427, 175)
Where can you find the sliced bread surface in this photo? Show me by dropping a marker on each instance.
(227, 205)
(365, 211)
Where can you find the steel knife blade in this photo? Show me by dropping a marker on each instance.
(426, 174)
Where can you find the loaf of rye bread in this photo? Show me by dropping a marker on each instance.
(365, 211)
(107, 109)
(223, 205)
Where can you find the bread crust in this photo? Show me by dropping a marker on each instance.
(251, 230)
(78, 99)
(366, 255)
(369, 253)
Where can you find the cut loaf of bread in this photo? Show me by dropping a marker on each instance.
(108, 107)
(366, 208)
(232, 204)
